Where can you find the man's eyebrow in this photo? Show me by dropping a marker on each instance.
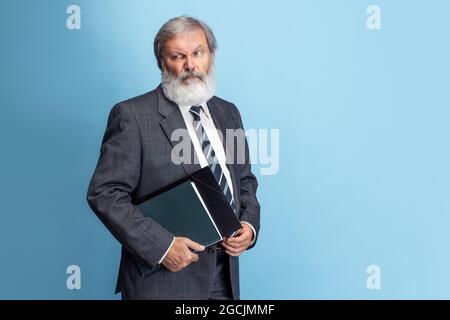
(179, 52)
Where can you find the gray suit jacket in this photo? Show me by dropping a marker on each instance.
(135, 160)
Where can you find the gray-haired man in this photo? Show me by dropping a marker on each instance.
(137, 158)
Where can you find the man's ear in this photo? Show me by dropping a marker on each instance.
(163, 65)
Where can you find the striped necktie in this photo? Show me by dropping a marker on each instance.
(211, 156)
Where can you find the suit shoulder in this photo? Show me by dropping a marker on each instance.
(230, 106)
(225, 104)
(222, 101)
(136, 104)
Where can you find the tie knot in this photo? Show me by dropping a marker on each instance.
(195, 110)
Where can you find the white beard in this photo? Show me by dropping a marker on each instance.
(189, 92)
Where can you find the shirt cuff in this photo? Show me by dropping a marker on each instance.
(167, 251)
(254, 232)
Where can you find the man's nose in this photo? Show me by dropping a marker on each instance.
(189, 64)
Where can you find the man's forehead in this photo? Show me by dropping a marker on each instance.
(187, 41)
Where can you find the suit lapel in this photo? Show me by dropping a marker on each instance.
(173, 120)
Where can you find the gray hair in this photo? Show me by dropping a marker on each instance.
(178, 25)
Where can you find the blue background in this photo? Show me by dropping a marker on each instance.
(364, 130)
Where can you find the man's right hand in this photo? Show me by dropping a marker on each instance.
(180, 254)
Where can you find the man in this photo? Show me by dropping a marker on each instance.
(137, 158)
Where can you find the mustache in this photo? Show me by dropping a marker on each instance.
(191, 75)
(185, 75)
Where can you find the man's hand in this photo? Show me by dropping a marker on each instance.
(180, 254)
(234, 246)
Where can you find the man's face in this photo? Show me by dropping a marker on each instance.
(187, 55)
(188, 69)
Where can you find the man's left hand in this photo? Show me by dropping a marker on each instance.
(234, 246)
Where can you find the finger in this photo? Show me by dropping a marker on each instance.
(238, 239)
(240, 246)
(234, 249)
(194, 257)
(172, 269)
(232, 244)
(232, 239)
(238, 233)
(194, 245)
(243, 232)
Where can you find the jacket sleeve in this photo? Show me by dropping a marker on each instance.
(115, 178)
(249, 207)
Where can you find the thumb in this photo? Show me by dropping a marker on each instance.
(194, 245)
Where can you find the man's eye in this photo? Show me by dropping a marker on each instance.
(177, 57)
(197, 53)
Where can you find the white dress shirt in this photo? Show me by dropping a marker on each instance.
(216, 143)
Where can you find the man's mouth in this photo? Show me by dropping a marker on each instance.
(189, 78)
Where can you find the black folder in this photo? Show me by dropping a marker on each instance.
(193, 207)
